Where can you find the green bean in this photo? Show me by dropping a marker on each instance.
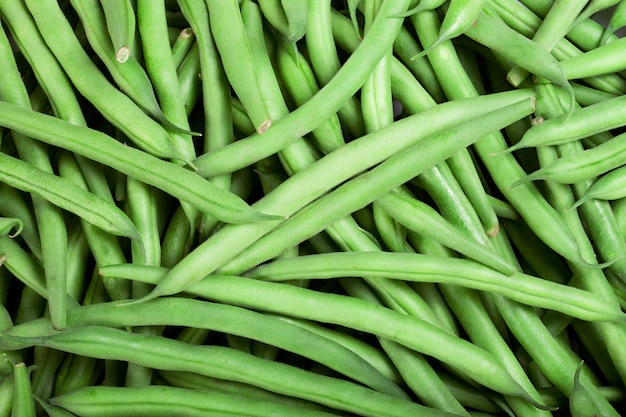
(528, 201)
(120, 23)
(291, 196)
(225, 19)
(459, 17)
(96, 401)
(609, 186)
(617, 21)
(23, 401)
(75, 372)
(423, 268)
(372, 185)
(22, 265)
(325, 63)
(494, 34)
(593, 7)
(181, 47)
(315, 111)
(586, 96)
(100, 147)
(90, 82)
(580, 402)
(381, 321)
(601, 60)
(77, 260)
(584, 165)
(6, 396)
(128, 75)
(301, 85)
(64, 194)
(12, 204)
(231, 320)
(152, 24)
(193, 381)
(554, 27)
(53, 411)
(229, 364)
(413, 214)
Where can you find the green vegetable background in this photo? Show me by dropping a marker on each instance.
(312, 208)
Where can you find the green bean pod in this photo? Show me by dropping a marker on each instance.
(23, 400)
(231, 320)
(171, 178)
(319, 108)
(64, 194)
(582, 122)
(459, 17)
(229, 364)
(584, 165)
(328, 172)
(381, 321)
(161, 400)
(227, 28)
(11, 227)
(593, 7)
(366, 188)
(598, 61)
(422, 5)
(616, 22)
(89, 81)
(423, 219)
(120, 23)
(610, 186)
(424, 268)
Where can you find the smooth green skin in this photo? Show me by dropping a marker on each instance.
(183, 44)
(152, 24)
(129, 75)
(227, 319)
(423, 219)
(527, 200)
(120, 23)
(12, 205)
(598, 61)
(554, 27)
(226, 363)
(582, 122)
(587, 164)
(593, 7)
(322, 52)
(549, 106)
(422, 5)
(493, 33)
(35, 159)
(23, 400)
(334, 168)
(523, 288)
(581, 404)
(296, 12)
(6, 396)
(617, 21)
(303, 120)
(194, 381)
(238, 62)
(166, 401)
(524, 21)
(459, 17)
(91, 83)
(609, 186)
(104, 247)
(345, 311)
(64, 194)
(100, 147)
(362, 190)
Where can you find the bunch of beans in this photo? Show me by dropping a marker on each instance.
(312, 208)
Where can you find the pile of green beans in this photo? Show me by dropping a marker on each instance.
(320, 208)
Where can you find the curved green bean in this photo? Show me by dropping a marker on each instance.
(160, 400)
(11, 227)
(171, 178)
(598, 61)
(424, 268)
(23, 400)
(229, 364)
(66, 195)
(616, 22)
(319, 108)
(610, 186)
